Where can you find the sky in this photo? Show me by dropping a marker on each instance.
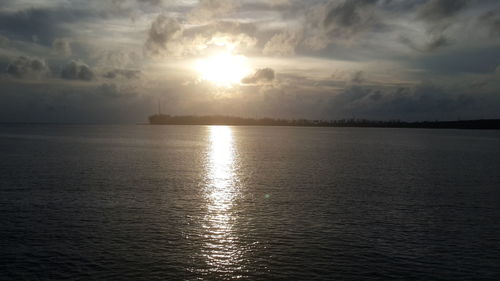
(115, 61)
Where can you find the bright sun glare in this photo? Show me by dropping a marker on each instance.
(223, 69)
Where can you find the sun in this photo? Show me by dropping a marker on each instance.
(223, 69)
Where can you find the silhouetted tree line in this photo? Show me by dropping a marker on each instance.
(163, 119)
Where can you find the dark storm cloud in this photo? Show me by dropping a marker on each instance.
(4, 41)
(492, 20)
(436, 42)
(76, 70)
(326, 24)
(44, 23)
(263, 75)
(348, 13)
(114, 90)
(80, 102)
(423, 102)
(404, 6)
(351, 17)
(465, 60)
(438, 16)
(25, 67)
(122, 73)
(447, 42)
(437, 10)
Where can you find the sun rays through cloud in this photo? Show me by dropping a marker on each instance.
(111, 61)
(223, 69)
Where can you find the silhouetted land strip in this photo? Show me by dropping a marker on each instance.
(163, 119)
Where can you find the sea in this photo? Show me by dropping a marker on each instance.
(145, 202)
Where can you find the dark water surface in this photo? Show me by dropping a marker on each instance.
(249, 203)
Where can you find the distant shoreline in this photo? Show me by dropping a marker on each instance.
(164, 119)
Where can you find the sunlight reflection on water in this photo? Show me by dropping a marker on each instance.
(221, 248)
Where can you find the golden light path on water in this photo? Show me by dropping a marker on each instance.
(221, 250)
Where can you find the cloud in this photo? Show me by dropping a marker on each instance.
(45, 24)
(167, 37)
(151, 2)
(439, 15)
(46, 101)
(162, 32)
(436, 42)
(268, 5)
(325, 24)
(25, 67)
(211, 9)
(62, 47)
(479, 60)
(424, 101)
(282, 44)
(263, 75)
(492, 20)
(357, 38)
(437, 10)
(222, 26)
(351, 17)
(233, 42)
(357, 77)
(77, 70)
(114, 90)
(4, 41)
(348, 13)
(122, 73)
(118, 59)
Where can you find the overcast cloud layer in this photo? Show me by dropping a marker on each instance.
(112, 61)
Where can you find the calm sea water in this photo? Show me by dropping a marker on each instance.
(249, 203)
